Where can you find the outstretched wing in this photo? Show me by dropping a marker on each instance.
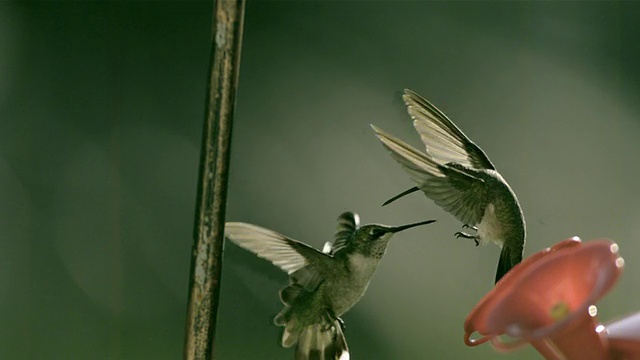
(442, 138)
(451, 186)
(303, 263)
(288, 254)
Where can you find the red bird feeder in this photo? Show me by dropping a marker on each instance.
(549, 300)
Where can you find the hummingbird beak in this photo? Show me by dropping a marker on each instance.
(405, 227)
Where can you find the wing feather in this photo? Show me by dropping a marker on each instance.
(288, 254)
(443, 139)
(454, 188)
(348, 223)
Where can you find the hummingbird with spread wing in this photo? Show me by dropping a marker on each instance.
(323, 285)
(459, 177)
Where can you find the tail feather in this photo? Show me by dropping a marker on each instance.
(322, 342)
(288, 295)
(508, 259)
(291, 327)
(291, 334)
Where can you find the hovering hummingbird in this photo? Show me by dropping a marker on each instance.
(323, 285)
(457, 175)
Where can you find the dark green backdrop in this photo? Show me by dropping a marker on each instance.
(101, 106)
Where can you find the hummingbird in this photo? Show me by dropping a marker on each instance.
(459, 177)
(323, 285)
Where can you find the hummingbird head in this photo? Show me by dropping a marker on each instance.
(371, 240)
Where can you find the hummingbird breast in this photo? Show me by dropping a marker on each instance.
(345, 291)
(490, 227)
(502, 219)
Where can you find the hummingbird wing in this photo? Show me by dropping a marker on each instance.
(451, 186)
(303, 263)
(348, 223)
(444, 141)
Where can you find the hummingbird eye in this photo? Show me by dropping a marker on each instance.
(376, 233)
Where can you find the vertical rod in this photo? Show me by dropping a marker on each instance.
(206, 253)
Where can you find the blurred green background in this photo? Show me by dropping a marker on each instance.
(101, 108)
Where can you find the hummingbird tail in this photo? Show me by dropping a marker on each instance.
(320, 341)
(324, 341)
(508, 259)
(285, 317)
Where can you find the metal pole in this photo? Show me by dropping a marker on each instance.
(206, 253)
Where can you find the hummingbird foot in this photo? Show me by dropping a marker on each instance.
(467, 226)
(475, 238)
(331, 318)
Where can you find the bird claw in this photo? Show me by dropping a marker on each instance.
(460, 234)
(467, 226)
(331, 317)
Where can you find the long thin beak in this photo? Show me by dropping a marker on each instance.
(405, 227)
